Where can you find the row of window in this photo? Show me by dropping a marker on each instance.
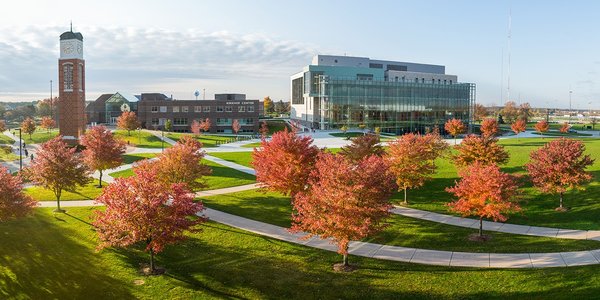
(439, 81)
(176, 109)
(220, 121)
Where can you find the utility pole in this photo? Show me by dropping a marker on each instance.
(509, 37)
(51, 108)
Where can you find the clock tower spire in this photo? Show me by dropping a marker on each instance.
(71, 78)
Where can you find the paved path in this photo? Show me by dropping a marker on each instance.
(396, 253)
(497, 226)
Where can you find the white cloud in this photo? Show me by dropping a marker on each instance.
(132, 59)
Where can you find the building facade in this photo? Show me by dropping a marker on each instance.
(71, 88)
(397, 97)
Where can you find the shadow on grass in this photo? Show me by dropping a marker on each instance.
(43, 260)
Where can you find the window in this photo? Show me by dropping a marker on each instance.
(250, 109)
(223, 121)
(68, 76)
(80, 78)
(247, 121)
(297, 90)
(228, 109)
(185, 108)
(155, 121)
(416, 79)
(175, 108)
(163, 109)
(197, 108)
(180, 121)
(241, 109)
(397, 68)
(364, 76)
(219, 108)
(375, 66)
(206, 108)
(154, 109)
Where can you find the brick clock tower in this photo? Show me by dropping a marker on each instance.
(71, 84)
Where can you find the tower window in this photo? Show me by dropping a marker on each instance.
(68, 76)
(80, 77)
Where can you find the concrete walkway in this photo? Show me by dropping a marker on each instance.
(396, 253)
(497, 226)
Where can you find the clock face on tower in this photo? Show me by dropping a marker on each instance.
(68, 49)
(79, 49)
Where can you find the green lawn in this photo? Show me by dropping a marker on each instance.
(240, 158)
(538, 209)
(39, 136)
(221, 176)
(141, 139)
(131, 158)
(6, 151)
(275, 209)
(276, 125)
(53, 256)
(5, 140)
(87, 192)
(252, 145)
(558, 133)
(208, 141)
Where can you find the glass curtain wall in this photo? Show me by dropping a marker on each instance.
(396, 107)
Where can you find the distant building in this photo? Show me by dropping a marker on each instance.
(398, 97)
(154, 109)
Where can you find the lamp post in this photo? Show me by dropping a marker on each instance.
(162, 140)
(20, 150)
(570, 92)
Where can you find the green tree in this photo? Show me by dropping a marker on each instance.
(168, 125)
(268, 104)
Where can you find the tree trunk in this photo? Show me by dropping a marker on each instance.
(480, 226)
(345, 260)
(561, 200)
(100, 184)
(405, 201)
(58, 194)
(454, 140)
(151, 260)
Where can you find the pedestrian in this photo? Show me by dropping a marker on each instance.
(31, 156)
(26, 153)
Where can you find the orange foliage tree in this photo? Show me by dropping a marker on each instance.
(2, 126)
(47, 123)
(489, 128)
(363, 146)
(205, 125)
(28, 126)
(128, 121)
(58, 168)
(485, 192)
(411, 159)
(482, 149)
(558, 166)
(565, 127)
(235, 126)
(144, 209)
(13, 202)
(284, 163)
(346, 201)
(518, 126)
(541, 127)
(196, 128)
(455, 127)
(102, 151)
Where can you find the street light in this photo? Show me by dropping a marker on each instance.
(20, 150)
(162, 140)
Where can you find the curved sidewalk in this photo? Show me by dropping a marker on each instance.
(396, 253)
(497, 226)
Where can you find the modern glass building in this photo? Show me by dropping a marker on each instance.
(398, 97)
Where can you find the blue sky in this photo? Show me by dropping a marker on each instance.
(252, 47)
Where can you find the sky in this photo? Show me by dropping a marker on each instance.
(178, 46)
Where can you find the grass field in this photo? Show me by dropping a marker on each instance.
(38, 137)
(275, 125)
(221, 176)
(5, 140)
(53, 256)
(275, 209)
(240, 158)
(142, 139)
(87, 192)
(558, 133)
(131, 158)
(208, 141)
(6, 152)
(252, 145)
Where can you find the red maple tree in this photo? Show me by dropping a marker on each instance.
(559, 166)
(196, 128)
(284, 163)
(181, 164)
(263, 130)
(205, 125)
(455, 127)
(489, 128)
(363, 146)
(128, 121)
(345, 202)
(144, 209)
(57, 168)
(411, 159)
(542, 126)
(47, 123)
(28, 126)
(102, 150)
(235, 126)
(565, 127)
(485, 192)
(13, 202)
(482, 149)
(2, 126)
(518, 126)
